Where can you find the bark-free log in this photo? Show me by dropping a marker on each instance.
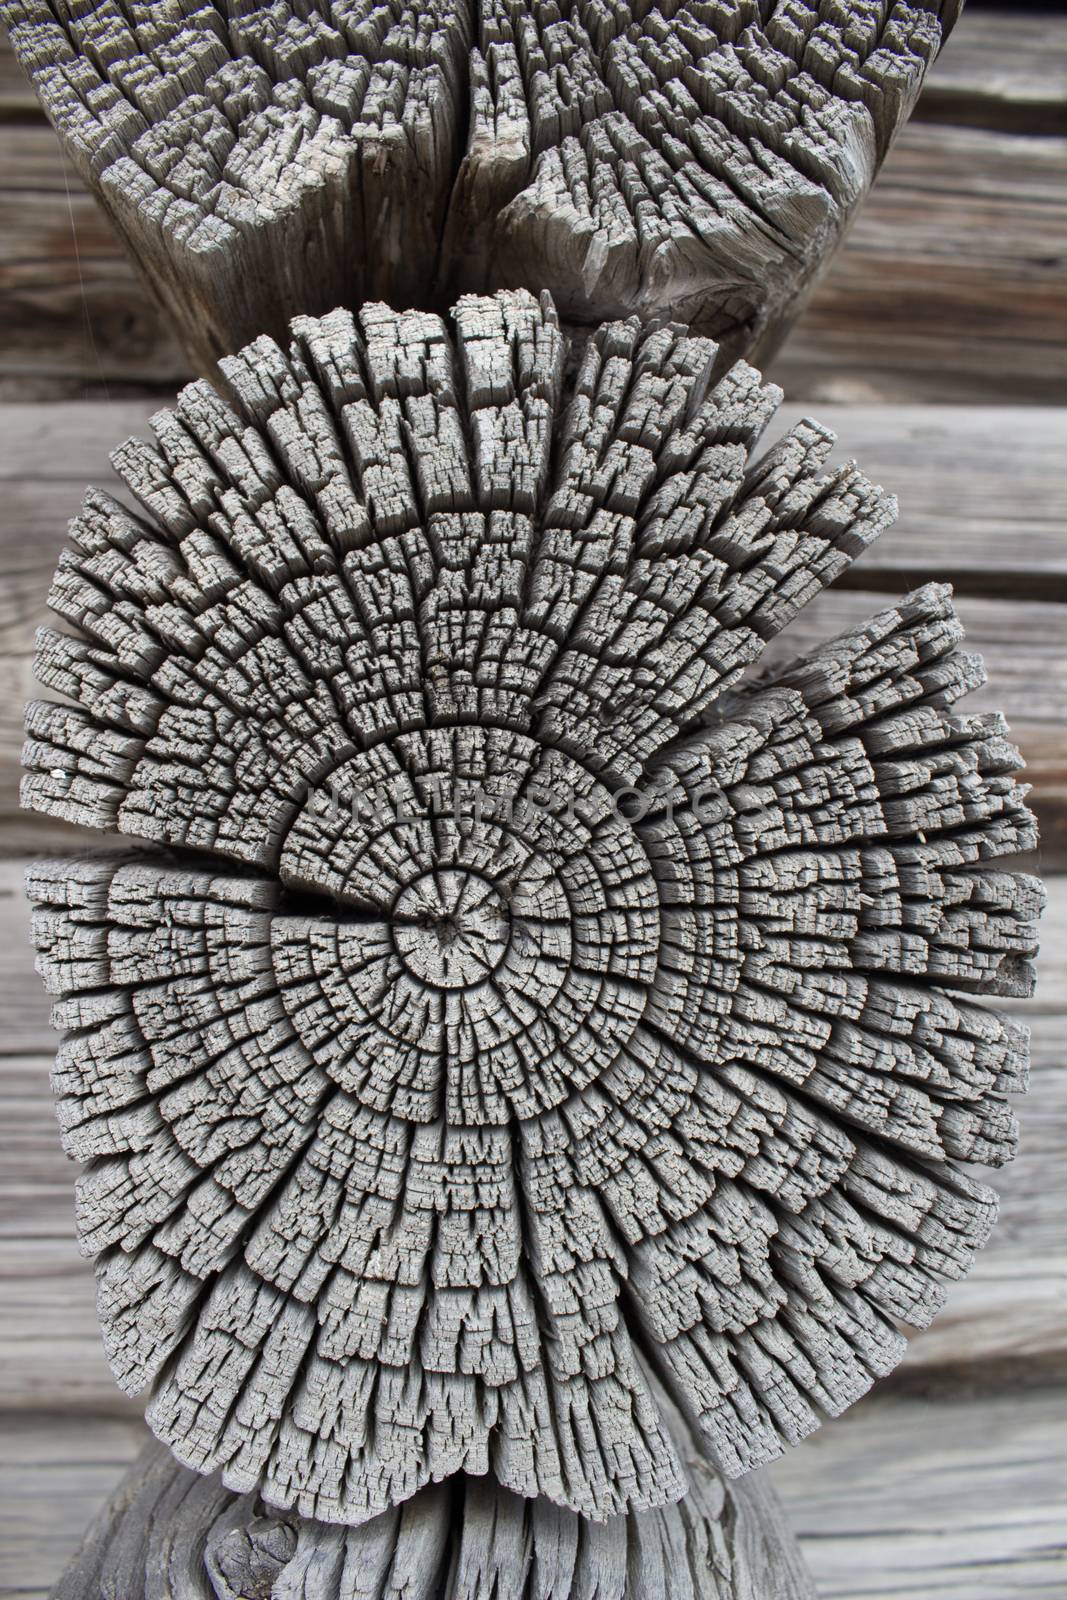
(696, 160)
(527, 1002)
(167, 1532)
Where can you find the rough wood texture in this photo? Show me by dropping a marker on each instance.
(698, 161)
(1010, 1310)
(983, 494)
(928, 1496)
(1007, 69)
(168, 1531)
(951, 285)
(544, 1003)
(911, 1495)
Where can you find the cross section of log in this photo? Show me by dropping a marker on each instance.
(523, 1004)
(697, 160)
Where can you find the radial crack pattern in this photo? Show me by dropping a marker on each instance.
(697, 160)
(525, 1003)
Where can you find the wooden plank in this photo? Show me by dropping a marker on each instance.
(951, 285)
(18, 103)
(90, 430)
(982, 492)
(55, 1472)
(77, 318)
(1001, 69)
(913, 1496)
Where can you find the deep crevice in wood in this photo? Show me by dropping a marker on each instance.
(695, 161)
(1048, 588)
(165, 1530)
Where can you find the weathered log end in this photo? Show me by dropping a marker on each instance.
(525, 1008)
(692, 161)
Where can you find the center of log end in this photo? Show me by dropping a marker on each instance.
(451, 928)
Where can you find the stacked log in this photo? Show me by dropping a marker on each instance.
(696, 160)
(516, 1023)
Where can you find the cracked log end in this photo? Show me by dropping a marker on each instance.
(697, 161)
(524, 1004)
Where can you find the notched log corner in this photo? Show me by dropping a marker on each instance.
(692, 161)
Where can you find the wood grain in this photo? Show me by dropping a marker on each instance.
(575, 585)
(956, 1491)
(462, 1540)
(1006, 69)
(55, 1473)
(1012, 1308)
(983, 496)
(77, 318)
(958, 1497)
(951, 286)
(906, 1498)
(700, 165)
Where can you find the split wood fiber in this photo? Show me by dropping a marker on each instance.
(508, 1003)
(168, 1532)
(696, 160)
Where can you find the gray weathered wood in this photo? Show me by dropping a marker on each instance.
(983, 497)
(699, 162)
(468, 1118)
(1007, 69)
(951, 285)
(967, 1576)
(958, 1496)
(55, 1473)
(1011, 1308)
(909, 1496)
(982, 490)
(168, 1531)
